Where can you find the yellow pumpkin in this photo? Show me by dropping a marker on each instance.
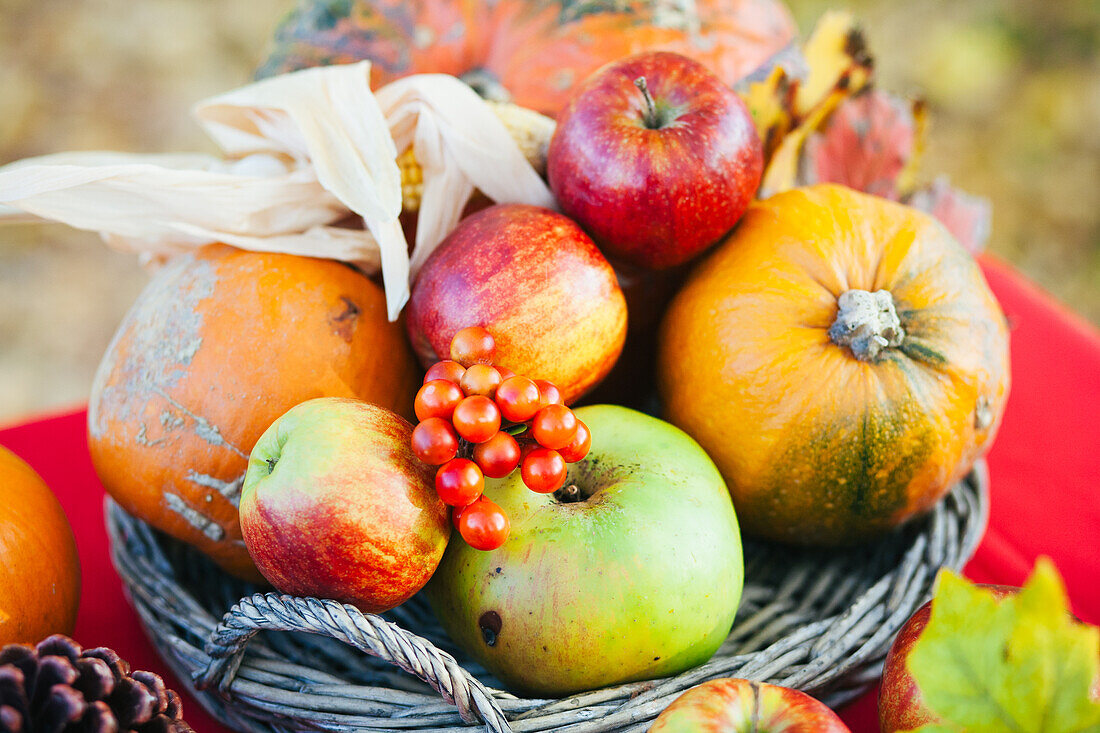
(841, 359)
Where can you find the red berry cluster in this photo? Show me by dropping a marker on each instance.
(480, 420)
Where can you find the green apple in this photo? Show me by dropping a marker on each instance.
(633, 570)
(335, 505)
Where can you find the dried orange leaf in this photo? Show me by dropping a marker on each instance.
(868, 144)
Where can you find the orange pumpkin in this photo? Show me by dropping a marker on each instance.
(39, 566)
(841, 359)
(218, 345)
(529, 51)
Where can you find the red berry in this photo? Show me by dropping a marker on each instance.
(548, 393)
(459, 482)
(472, 345)
(437, 398)
(480, 379)
(498, 456)
(518, 399)
(554, 426)
(543, 470)
(483, 525)
(504, 372)
(578, 447)
(452, 371)
(526, 445)
(477, 418)
(434, 441)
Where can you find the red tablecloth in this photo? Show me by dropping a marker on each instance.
(1045, 469)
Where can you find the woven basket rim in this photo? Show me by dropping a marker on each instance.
(789, 630)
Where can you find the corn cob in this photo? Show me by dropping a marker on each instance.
(528, 128)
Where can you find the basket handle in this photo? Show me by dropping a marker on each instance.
(366, 632)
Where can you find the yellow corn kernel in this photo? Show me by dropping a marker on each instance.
(528, 128)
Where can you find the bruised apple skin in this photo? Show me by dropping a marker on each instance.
(537, 283)
(335, 505)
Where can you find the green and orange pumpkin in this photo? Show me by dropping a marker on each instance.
(841, 359)
(530, 52)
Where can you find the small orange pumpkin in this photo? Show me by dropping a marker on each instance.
(39, 565)
(531, 51)
(219, 344)
(841, 359)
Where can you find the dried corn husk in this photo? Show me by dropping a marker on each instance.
(530, 130)
(435, 115)
(303, 150)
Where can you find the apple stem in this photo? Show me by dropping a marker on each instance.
(651, 117)
(568, 494)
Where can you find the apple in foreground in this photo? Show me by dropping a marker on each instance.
(744, 706)
(537, 283)
(633, 570)
(335, 505)
(656, 158)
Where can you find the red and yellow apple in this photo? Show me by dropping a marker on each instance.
(537, 283)
(901, 706)
(656, 158)
(744, 706)
(335, 505)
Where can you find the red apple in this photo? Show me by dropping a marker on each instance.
(743, 706)
(900, 705)
(537, 283)
(335, 505)
(633, 380)
(656, 158)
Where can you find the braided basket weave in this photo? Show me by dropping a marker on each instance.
(818, 621)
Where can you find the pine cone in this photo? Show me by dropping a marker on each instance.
(57, 686)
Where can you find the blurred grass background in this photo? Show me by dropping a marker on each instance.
(1014, 88)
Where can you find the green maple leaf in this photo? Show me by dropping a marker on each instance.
(1021, 663)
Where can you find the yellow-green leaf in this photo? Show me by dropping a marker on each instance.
(1021, 663)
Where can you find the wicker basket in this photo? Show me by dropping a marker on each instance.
(821, 622)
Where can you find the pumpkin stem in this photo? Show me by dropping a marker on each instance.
(652, 117)
(866, 323)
